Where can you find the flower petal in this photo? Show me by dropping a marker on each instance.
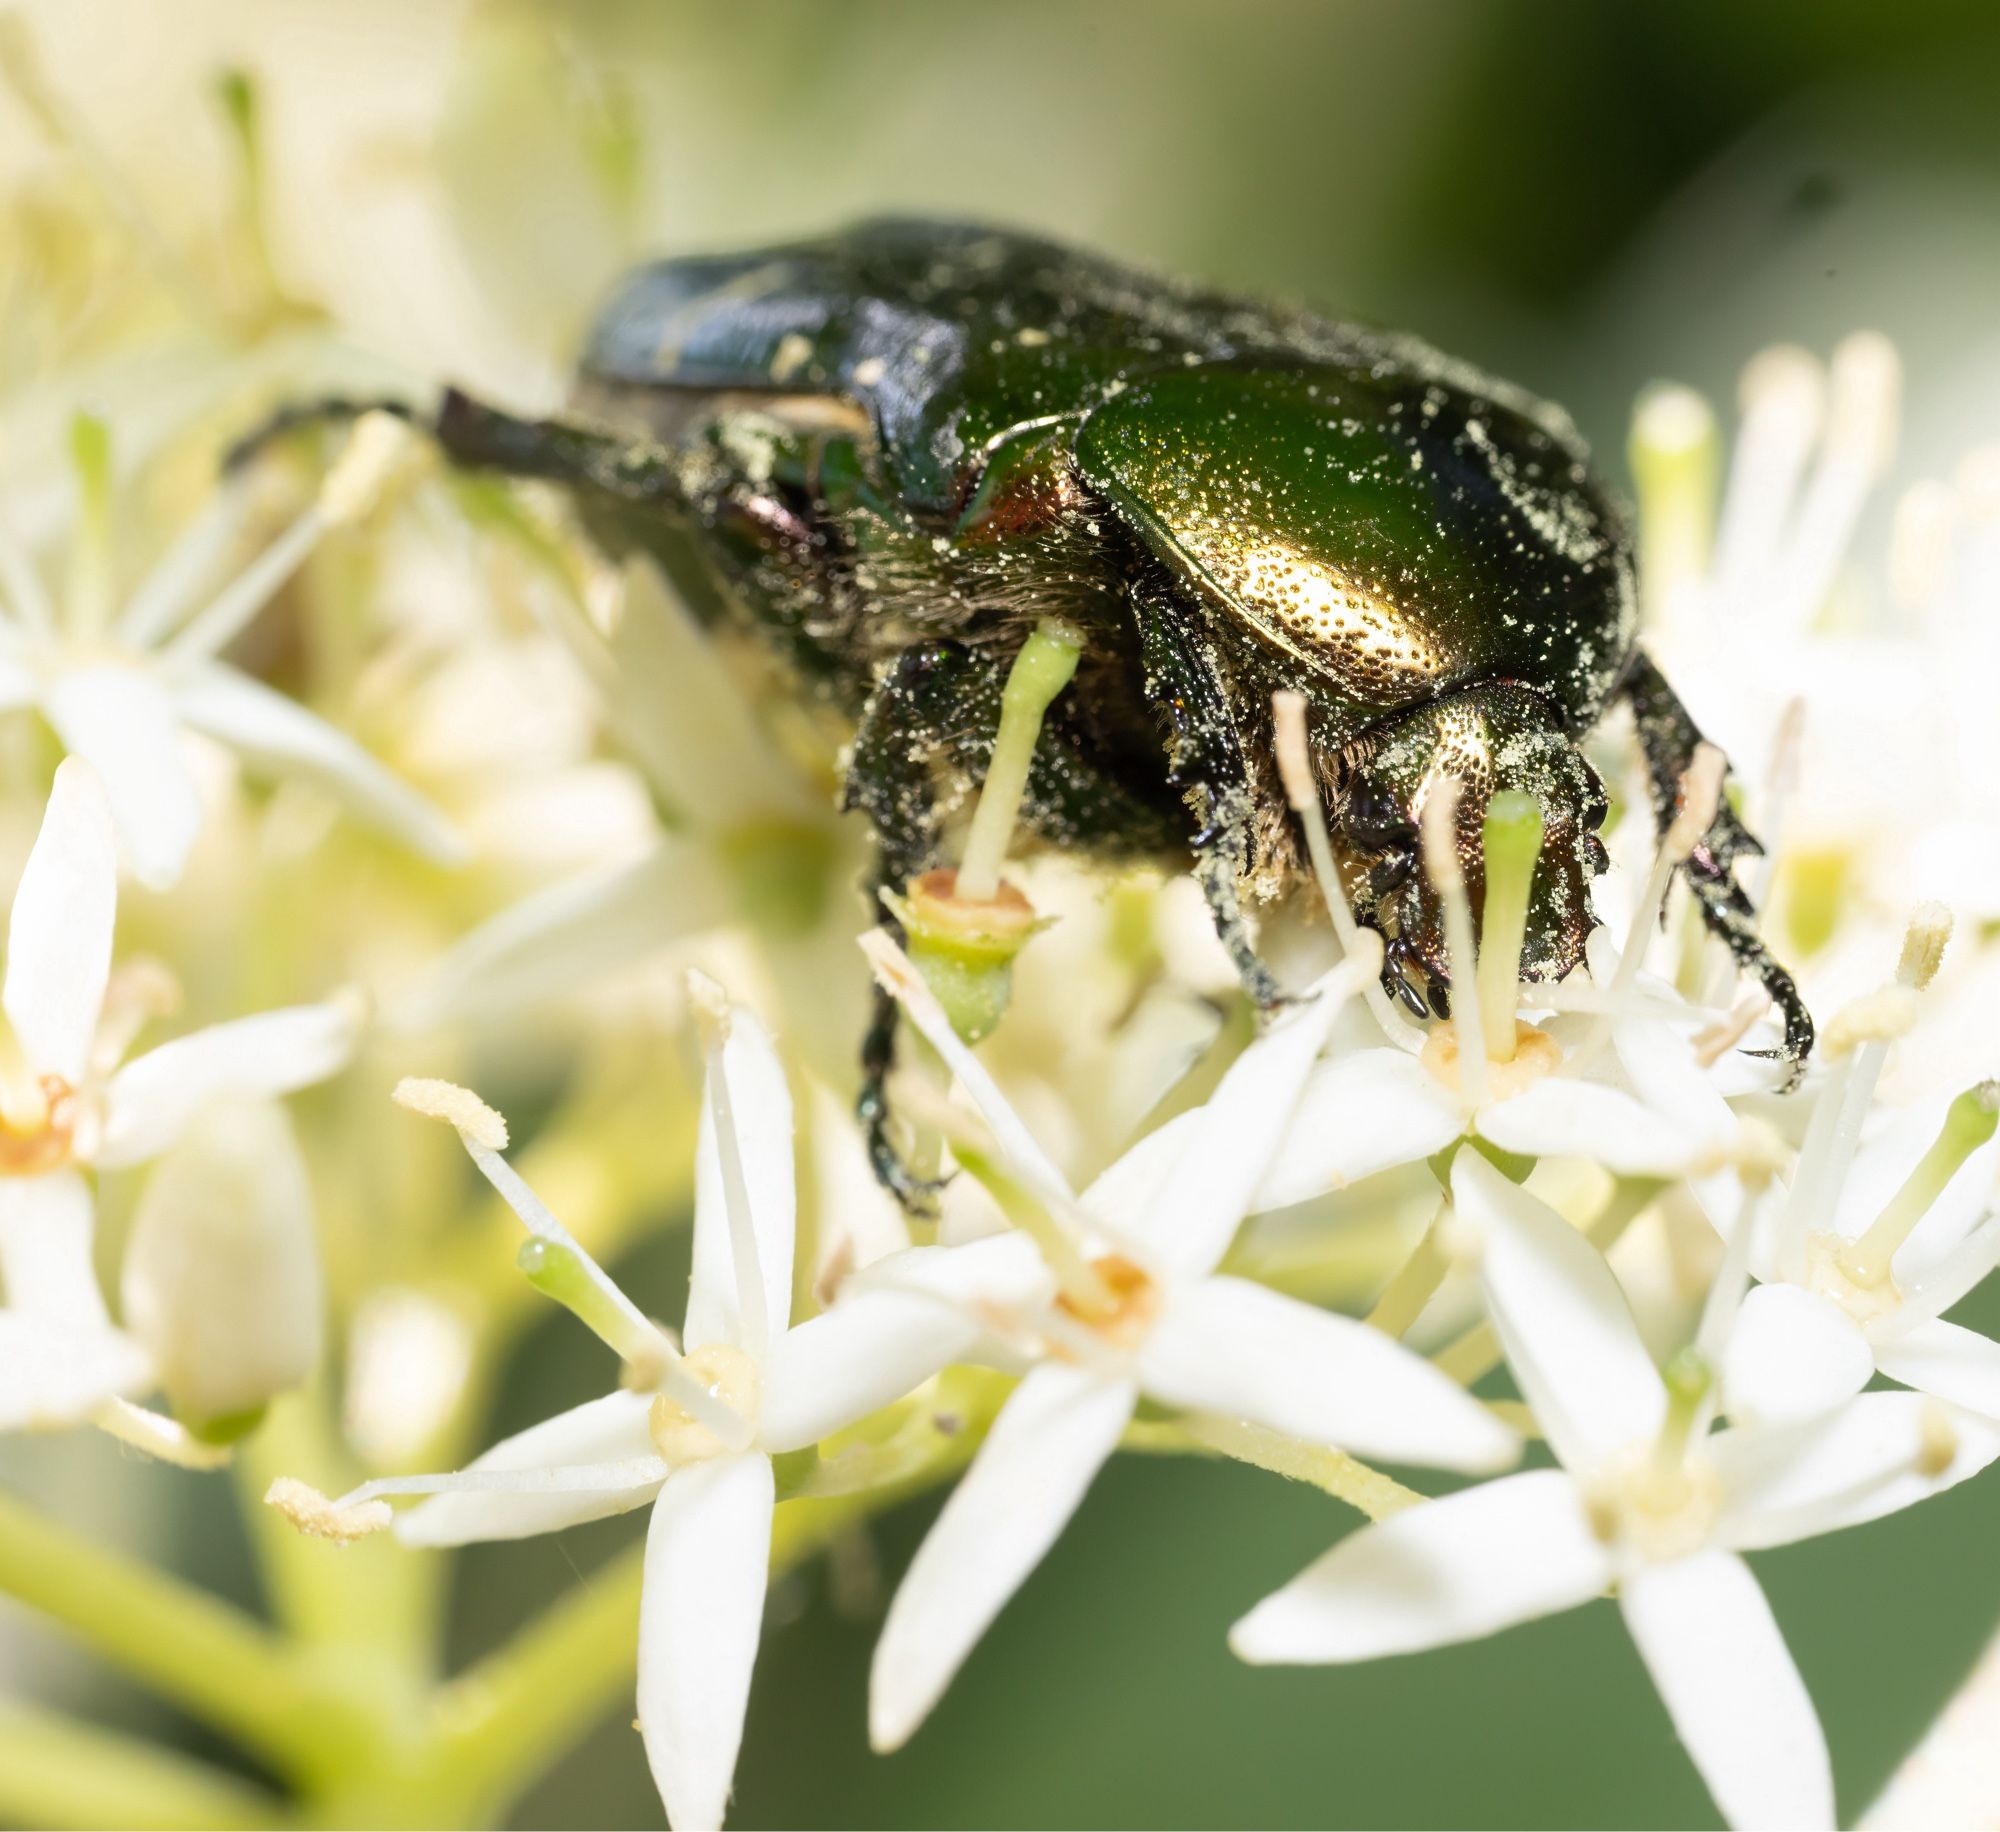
(54, 1373)
(1707, 1636)
(1948, 1360)
(59, 935)
(1050, 1439)
(1562, 1319)
(1242, 1125)
(1241, 1350)
(278, 734)
(917, 1313)
(1876, 1455)
(700, 1614)
(760, 1104)
(46, 1227)
(1442, 1572)
(1561, 1118)
(602, 1432)
(1358, 1114)
(1659, 1061)
(121, 720)
(1791, 1354)
(151, 1101)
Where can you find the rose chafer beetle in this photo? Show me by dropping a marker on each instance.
(895, 450)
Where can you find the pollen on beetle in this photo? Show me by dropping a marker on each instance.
(456, 1106)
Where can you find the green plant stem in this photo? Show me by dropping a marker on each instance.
(1333, 1472)
(191, 1648)
(55, 1771)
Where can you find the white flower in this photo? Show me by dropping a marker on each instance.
(120, 689)
(1859, 1264)
(692, 1432)
(1142, 1311)
(1645, 1503)
(1621, 1082)
(67, 1105)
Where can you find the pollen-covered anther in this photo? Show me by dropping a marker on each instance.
(1923, 945)
(311, 1512)
(38, 1124)
(1128, 1308)
(728, 1376)
(456, 1106)
(1876, 1017)
(1937, 1439)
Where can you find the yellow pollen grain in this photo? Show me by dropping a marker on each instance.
(456, 1106)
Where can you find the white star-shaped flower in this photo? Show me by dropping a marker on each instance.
(1138, 1309)
(1645, 1503)
(120, 685)
(67, 1106)
(1858, 1268)
(692, 1431)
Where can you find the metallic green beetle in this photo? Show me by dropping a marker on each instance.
(891, 451)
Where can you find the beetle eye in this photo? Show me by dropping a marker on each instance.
(1375, 820)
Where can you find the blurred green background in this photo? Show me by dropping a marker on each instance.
(1583, 196)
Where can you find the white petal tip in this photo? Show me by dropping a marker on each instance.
(311, 1512)
(477, 1123)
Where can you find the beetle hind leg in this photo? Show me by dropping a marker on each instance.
(1667, 738)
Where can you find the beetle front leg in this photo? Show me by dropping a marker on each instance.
(1206, 764)
(1667, 739)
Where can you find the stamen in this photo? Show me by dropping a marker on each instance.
(168, 592)
(633, 1337)
(155, 1435)
(1041, 671)
(1781, 399)
(1937, 1439)
(91, 551)
(348, 492)
(1676, 455)
(1080, 1282)
(1860, 437)
(1969, 1123)
(1920, 546)
(711, 1010)
(342, 1521)
(1923, 945)
(1715, 1041)
(1438, 830)
(1288, 712)
(1861, 1032)
(1701, 796)
(1512, 836)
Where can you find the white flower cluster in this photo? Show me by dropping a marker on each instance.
(1101, 1300)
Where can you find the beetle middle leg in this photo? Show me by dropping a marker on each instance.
(1667, 738)
(1206, 764)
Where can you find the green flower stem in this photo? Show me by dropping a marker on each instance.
(205, 1656)
(504, 1722)
(1404, 1297)
(1333, 1472)
(55, 1771)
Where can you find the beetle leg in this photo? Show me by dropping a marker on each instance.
(1667, 738)
(1206, 765)
(325, 410)
(907, 725)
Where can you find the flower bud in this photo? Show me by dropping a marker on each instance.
(222, 1280)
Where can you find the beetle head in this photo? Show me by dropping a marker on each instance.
(1488, 737)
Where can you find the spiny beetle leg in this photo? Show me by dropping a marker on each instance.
(1667, 738)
